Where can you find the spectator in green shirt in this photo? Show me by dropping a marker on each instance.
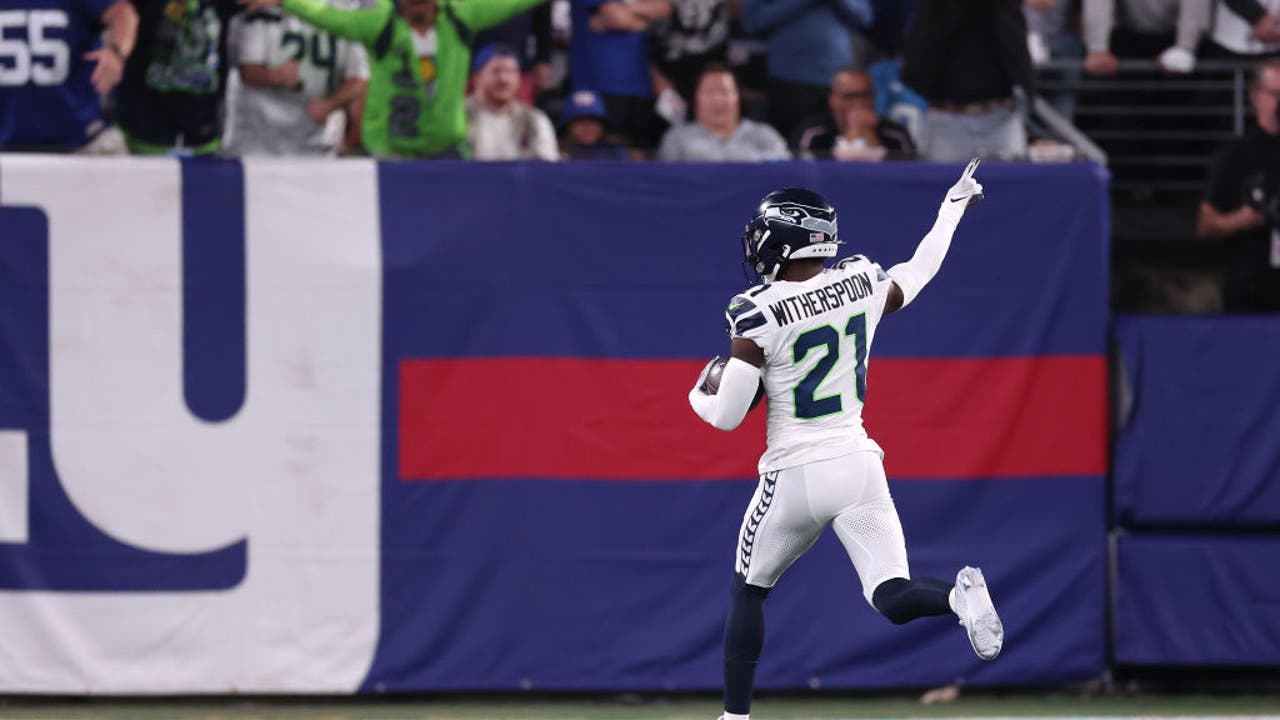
(419, 61)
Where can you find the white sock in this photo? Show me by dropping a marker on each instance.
(951, 600)
(731, 716)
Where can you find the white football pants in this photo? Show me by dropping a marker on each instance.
(792, 506)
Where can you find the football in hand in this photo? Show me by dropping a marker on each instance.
(711, 385)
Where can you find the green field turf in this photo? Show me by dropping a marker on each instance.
(505, 708)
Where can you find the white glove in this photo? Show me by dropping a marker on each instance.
(1177, 60)
(964, 193)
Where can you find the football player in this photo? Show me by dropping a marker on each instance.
(805, 331)
(59, 59)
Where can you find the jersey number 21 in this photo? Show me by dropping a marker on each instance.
(807, 406)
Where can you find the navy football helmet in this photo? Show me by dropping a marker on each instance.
(790, 224)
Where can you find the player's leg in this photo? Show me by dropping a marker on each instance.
(743, 641)
(972, 604)
(902, 600)
(776, 530)
(872, 536)
(871, 533)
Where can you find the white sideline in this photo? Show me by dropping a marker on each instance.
(1073, 717)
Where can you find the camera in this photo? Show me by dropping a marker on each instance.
(1263, 197)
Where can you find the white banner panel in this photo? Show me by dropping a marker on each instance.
(294, 474)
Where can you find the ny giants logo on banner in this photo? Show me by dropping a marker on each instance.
(188, 430)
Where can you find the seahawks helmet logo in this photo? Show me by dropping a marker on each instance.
(809, 218)
(789, 224)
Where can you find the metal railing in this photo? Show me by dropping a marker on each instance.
(1061, 127)
(1157, 132)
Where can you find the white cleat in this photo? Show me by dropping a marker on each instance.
(972, 603)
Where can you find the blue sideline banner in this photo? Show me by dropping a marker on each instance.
(1197, 600)
(1199, 446)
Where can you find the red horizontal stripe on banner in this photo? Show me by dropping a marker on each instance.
(630, 420)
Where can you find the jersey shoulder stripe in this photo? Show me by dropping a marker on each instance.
(743, 316)
(747, 323)
(851, 261)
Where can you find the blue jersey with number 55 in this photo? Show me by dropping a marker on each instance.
(46, 99)
(816, 337)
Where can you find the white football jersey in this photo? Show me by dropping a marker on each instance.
(816, 336)
(274, 121)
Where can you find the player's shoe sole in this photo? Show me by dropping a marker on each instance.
(978, 614)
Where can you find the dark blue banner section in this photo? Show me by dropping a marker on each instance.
(620, 580)
(1197, 600)
(213, 294)
(588, 585)
(639, 261)
(1201, 444)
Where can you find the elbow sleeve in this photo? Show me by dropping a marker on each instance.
(912, 275)
(726, 409)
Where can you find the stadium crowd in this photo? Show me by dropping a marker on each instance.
(627, 80)
(734, 80)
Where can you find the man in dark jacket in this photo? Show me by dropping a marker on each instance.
(1242, 204)
(852, 130)
(808, 42)
(966, 59)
